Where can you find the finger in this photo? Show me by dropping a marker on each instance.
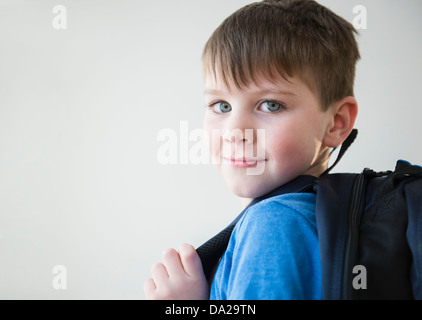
(191, 261)
(173, 263)
(159, 274)
(149, 288)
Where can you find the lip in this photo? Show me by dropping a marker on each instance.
(243, 162)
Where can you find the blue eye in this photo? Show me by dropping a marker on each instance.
(271, 106)
(222, 107)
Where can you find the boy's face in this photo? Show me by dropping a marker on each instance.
(265, 135)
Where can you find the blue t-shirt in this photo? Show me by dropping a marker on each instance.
(273, 253)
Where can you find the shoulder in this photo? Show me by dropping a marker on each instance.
(273, 252)
(280, 211)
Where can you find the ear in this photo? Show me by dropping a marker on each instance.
(343, 117)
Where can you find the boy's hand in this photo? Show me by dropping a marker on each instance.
(180, 277)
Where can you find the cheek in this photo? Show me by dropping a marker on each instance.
(293, 152)
(212, 138)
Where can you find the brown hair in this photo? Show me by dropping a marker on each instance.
(288, 38)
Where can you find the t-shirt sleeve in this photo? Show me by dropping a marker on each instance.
(273, 254)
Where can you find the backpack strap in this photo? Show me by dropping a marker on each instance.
(212, 250)
(332, 219)
(346, 144)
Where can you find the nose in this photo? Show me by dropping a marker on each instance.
(237, 135)
(239, 129)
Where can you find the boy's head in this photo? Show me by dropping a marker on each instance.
(288, 38)
(287, 68)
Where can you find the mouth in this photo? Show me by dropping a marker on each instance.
(243, 162)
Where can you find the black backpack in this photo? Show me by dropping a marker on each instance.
(369, 229)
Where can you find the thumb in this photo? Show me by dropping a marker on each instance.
(191, 261)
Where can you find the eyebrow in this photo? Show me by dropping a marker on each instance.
(211, 91)
(261, 92)
(277, 91)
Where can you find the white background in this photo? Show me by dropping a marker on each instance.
(80, 111)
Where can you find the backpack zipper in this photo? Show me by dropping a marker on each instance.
(354, 215)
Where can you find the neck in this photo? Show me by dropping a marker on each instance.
(245, 202)
(320, 164)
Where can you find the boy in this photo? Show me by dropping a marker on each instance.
(288, 68)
